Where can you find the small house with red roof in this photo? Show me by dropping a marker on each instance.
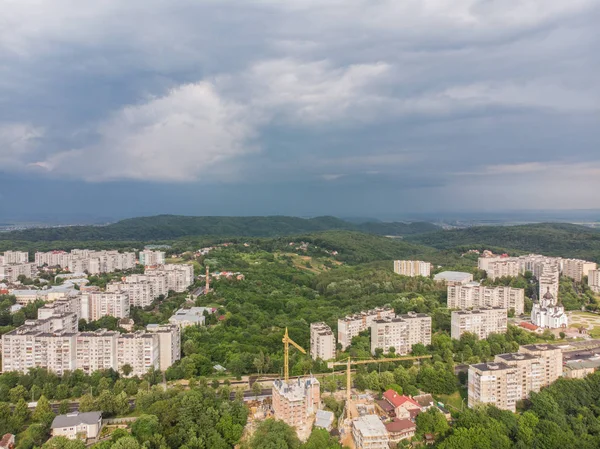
(405, 407)
(400, 429)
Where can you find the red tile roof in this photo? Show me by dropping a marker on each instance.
(528, 326)
(397, 400)
(400, 425)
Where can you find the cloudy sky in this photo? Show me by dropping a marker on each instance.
(304, 107)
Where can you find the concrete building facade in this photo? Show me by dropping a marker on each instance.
(95, 305)
(150, 258)
(322, 342)
(475, 295)
(294, 402)
(369, 432)
(400, 332)
(480, 322)
(412, 268)
(352, 325)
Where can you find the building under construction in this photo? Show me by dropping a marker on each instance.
(296, 401)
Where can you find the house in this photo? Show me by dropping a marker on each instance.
(77, 425)
(400, 429)
(127, 324)
(405, 407)
(369, 432)
(324, 420)
(425, 401)
(8, 441)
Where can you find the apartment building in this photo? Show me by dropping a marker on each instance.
(94, 262)
(322, 342)
(14, 257)
(594, 280)
(140, 294)
(149, 257)
(169, 340)
(140, 350)
(512, 377)
(11, 273)
(369, 432)
(352, 325)
(480, 322)
(412, 268)
(475, 295)
(178, 276)
(96, 350)
(95, 305)
(576, 269)
(66, 304)
(501, 267)
(549, 280)
(294, 402)
(193, 316)
(400, 332)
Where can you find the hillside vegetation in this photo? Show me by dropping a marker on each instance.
(165, 227)
(557, 239)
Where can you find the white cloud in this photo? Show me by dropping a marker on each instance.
(17, 141)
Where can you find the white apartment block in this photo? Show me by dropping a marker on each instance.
(512, 377)
(400, 332)
(503, 268)
(369, 432)
(322, 342)
(480, 322)
(140, 294)
(169, 340)
(95, 305)
(139, 350)
(594, 280)
(68, 304)
(576, 269)
(96, 350)
(475, 295)
(149, 257)
(412, 268)
(179, 276)
(352, 325)
(94, 262)
(14, 257)
(11, 273)
(549, 280)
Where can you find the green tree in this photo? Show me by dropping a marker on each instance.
(144, 428)
(271, 434)
(320, 439)
(63, 443)
(43, 412)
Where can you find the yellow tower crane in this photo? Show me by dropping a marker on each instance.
(286, 353)
(349, 362)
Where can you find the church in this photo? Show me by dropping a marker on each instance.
(547, 313)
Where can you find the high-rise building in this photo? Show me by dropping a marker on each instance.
(576, 269)
(169, 339)
(480, 322)
(352, 325)
(140, 350)
(14, 257)
(594, 280)
(178, 276)
(512, 377)
(149, 257)
(95, 305)
(400, 332)
(322, 342)
(475, 295)
(12, 272)
(412, 268)
(81, 260)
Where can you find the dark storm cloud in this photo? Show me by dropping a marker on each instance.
(302, 106)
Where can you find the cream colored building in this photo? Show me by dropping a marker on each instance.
(503, 267)
(149, 257)
(352, 325)
(369, 432)
(475, 295)
(139, 350)
(95, 305)
(296, 401)
(11, 273)
(400, 332)
(96, 350)
(178, 276)
(576, 269)
(322, 342)
(14, 257)
(480, 322)
(77, 425)
(594, 280)
(453, 278)
(512, 377)
(412, 268)
(169, 339)
(81, 260)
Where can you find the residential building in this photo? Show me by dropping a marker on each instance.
(27, 296)
(369, 432)
(594, 280)
(548, 313)
(453, 278)
(400, 429)
(193, 316)
(150, 258)
(400, 332)
(93, 262)
(511, 377)
(549, 280)
(294, 402)
(77, 425)
(480, 322)
(412, 268)
(169, 339)
(11, 273)
(95, 305)
(14, 257)
(504, 267)
(139, 294)
(475, 295)
(576, 269)
(352, 325)
(179, 276)
(96, 350)
(139, 350)
(322, 342)
(404, 407)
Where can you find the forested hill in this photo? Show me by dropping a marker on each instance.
(165, 227)
(559, 239)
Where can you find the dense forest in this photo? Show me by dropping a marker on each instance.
(553, 239)
(165, 227)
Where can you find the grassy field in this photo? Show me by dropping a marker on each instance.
(314, 265)
(453, 401)
(590, 321)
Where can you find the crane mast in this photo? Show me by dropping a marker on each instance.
(286, 353)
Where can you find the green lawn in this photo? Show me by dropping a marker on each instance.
(453, 401)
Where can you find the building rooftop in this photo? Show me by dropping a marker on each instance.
(540, 347)
(400, 425)
(516, 356)
(397, 400)
(75, 419)
(370, 426)
(457, 276)
(491, 366)
(324, 419)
